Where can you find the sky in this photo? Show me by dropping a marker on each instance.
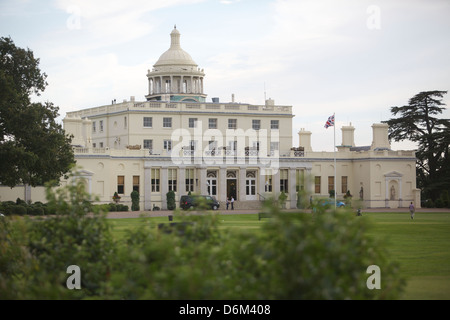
(352, 58)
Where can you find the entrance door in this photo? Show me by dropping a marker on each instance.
(232, 185)
(231, 188)
(211, 183)
(250, 186)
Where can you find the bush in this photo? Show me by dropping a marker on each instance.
(135, 201)
(296, 256)
(171, 205)
(122, 208)
(20, 210)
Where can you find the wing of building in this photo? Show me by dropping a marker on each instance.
(176, 140)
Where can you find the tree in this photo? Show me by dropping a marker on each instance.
(418, 122)
(34, 148)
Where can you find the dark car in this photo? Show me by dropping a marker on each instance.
(198, 201)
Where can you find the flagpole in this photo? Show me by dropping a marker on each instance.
(334, 148)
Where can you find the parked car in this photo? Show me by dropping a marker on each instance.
(330, 203)
(195, 201)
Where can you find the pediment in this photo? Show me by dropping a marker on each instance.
(393, 174)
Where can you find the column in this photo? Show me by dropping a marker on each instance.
(276, 183)
(241, 184)
(147, 189)
(222, 184)
(181, 184)
(164, 187)
(386, 201)
(202, 181)
(292, 184)
(261, 184)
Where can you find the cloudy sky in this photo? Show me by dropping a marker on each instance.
(355, 58)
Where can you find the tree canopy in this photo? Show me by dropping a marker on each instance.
(34, 148)
(418, 121)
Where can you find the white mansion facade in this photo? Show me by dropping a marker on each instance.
(175, 140)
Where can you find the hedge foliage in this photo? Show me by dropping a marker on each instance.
(324, 255)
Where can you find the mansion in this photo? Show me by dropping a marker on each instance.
(176, 140)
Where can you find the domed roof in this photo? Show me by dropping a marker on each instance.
(175, 55)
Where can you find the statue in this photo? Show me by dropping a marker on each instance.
(392, 193)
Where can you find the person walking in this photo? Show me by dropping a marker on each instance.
(412, 210)
(232, 203)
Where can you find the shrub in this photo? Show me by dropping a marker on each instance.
(171, 205)
(135, 201)
(297, 256)
(19, 210)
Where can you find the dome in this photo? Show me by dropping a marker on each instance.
(175, 56)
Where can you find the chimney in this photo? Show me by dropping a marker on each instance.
(380, 136)
(304, 138)
(348, 136)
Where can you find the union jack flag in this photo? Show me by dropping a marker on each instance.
(330, 122)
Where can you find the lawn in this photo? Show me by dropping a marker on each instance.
(420, 246)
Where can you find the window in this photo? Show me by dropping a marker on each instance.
(136, 183)
(284, 180)
(250, 184)
(120, 184)
(211, 183)
(212, 145)
(94, 145)
(330, 183)
(167, 86)
(274, 124)
(212, 123)
(167, 122)
(190, 180)
(94, 126)
(168, 145)
(155, 180)
(268, 183)
(192, 122)
(274, 146)
(344, 185)
(232, 123)
(172, 179)
(316, 184)
(101, 144)
(148, 144)
(101, 125)
(148, 122)
(256, 124)
(193, 144)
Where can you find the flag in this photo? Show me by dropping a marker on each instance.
(330, 122)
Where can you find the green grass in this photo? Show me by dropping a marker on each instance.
(420, 246)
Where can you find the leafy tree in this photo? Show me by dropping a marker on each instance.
(418, 122)
(34, 149)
